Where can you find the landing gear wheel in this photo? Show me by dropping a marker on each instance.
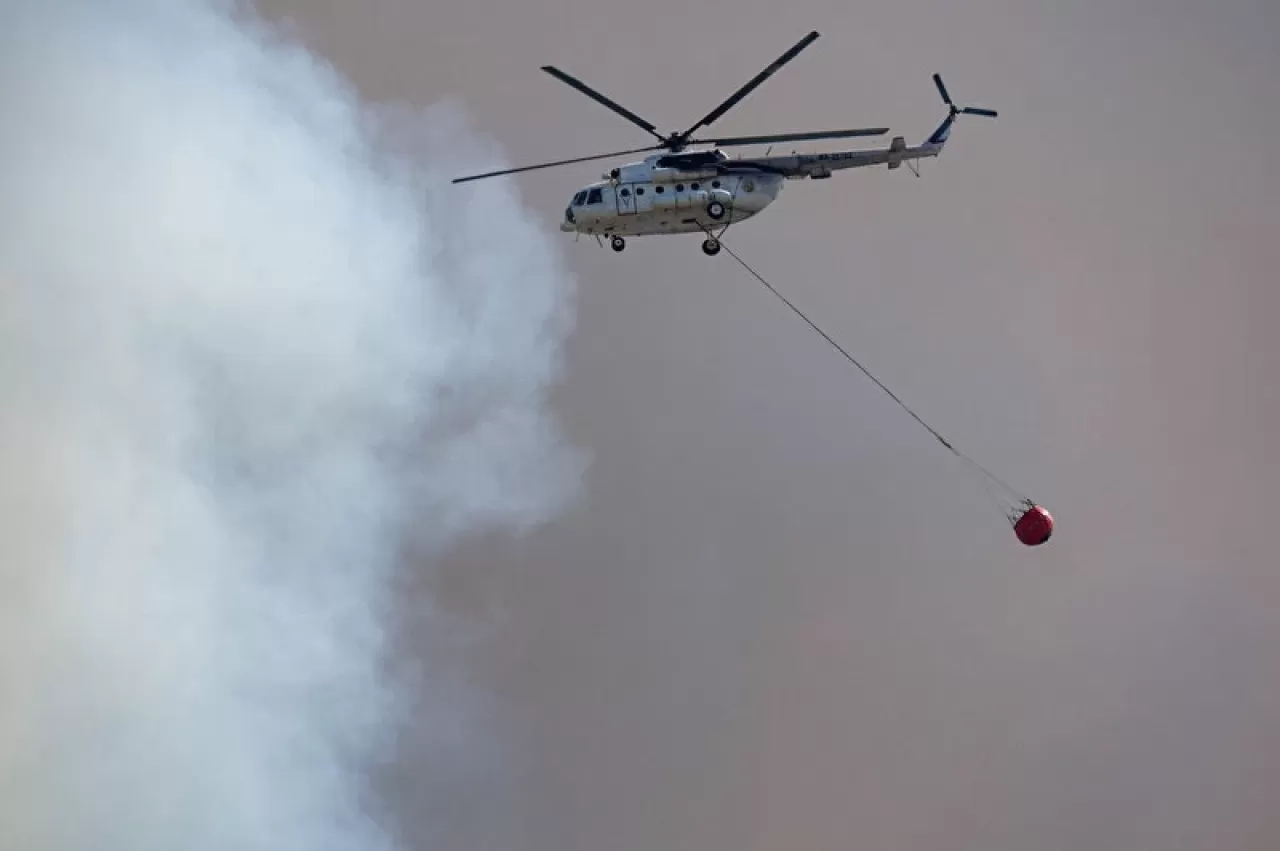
(710, 247)
(617, 243)
(715, 210)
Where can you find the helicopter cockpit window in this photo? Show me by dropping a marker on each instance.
(593, 197)
(580, 198)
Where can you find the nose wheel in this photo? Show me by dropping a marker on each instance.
(711, 246)
(617, 243)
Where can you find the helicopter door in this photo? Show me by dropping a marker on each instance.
(626, 200)
(643, 200)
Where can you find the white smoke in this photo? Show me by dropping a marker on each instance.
(245, 350)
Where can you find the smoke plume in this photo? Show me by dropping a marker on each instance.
(250, 341)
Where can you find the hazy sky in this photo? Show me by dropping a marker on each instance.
(781, 616)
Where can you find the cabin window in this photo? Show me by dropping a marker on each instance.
(693, 186)
(639, 190)
(625, 192)
(580, 198)
(715, 184)
(659, 189)
(593, 197)
(679, 187)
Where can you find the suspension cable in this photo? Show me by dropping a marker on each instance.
(839, 348)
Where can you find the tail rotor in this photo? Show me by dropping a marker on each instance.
(955, 110)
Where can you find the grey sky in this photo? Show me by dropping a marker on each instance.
(783, 617)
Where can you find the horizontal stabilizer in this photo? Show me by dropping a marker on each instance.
(896, 147)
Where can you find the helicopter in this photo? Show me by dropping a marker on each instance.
(695, 191)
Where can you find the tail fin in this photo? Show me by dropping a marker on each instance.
(939, 137)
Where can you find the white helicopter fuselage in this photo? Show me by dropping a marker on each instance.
(646, 199)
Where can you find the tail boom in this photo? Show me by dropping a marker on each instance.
(819, 166)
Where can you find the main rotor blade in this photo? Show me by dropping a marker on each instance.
(793, 137)
(755, 81)
(601, 99)
(942, 90)
(973, 110)
(554, 164)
